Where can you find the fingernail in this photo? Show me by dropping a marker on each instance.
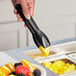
(20, 19)
(27, 16)
(15, 11)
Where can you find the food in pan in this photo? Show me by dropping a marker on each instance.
(60, 66)
(39, 55)
(23, 68)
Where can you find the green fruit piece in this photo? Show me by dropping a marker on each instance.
(31, 74)
(2, 74)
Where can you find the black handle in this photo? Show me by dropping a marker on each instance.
(29, 22)
(39, 37)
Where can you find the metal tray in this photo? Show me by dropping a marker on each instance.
(69, 74)
(56, 50)
(36, 54)
(5, 59)
(63, 58)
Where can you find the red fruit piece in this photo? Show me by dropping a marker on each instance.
(22, 69)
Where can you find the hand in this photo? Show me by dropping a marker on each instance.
(27, 8)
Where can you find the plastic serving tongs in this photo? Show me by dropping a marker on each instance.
(40, 39)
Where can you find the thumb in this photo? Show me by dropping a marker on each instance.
(25, 8)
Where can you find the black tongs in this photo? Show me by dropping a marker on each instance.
(39, 37)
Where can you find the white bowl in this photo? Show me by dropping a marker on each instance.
(5, 59)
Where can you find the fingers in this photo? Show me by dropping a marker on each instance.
(25, 8)
(31, 6)
(18, 16)
(24, 25)
(14, 2)
(19, 19)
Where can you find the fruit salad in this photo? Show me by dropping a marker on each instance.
(23, 68)
(60, 67)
